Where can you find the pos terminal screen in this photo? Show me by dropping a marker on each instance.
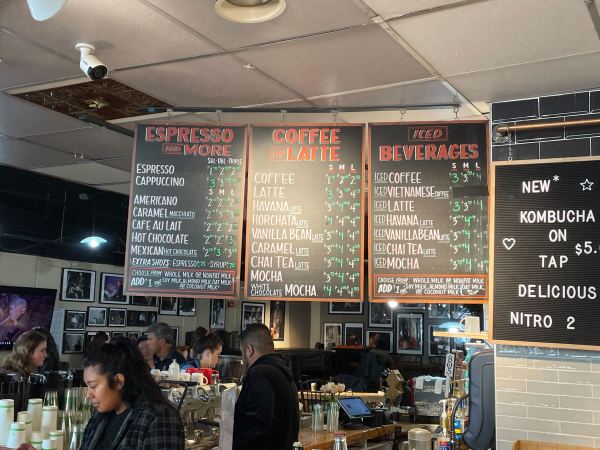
(355, 407)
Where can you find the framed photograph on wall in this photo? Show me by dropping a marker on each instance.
(381, 340)
(176, 335)
(152, 318)
(217, 314)
(78, 285)
(187, 306)
(252, 313)
(332, 335)
(137, 300)
(117, 317)
(115, 334)
(133, 335)
(277, 323)
(439, 311)
(353, 334)
(96, 316)
(409, 333)
(74, 320)
(73, 342)
(438, 346)
(411, 305)
(346, 307)
(111, 289)
(88, 340)
(381, 315)
(168, 306)
(137, 318)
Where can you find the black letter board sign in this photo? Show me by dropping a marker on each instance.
(428, 212)
(304, 215)
(185, 211)
(546, 247)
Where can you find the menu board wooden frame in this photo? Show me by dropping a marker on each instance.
(362, 208)
(477, 300)
(192, 293)
(492, 233)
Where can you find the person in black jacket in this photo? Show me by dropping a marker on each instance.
(266, 413)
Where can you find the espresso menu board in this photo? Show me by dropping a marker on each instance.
(546, 263)
(185, 211)
(304, 213)
(428, 207)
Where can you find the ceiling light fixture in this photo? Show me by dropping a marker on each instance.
(249, 11)
(44, 9)
(393, 304)
(93, 241)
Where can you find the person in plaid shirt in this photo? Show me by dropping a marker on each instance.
(131, 412)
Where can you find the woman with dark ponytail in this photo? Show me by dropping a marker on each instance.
(131, 411)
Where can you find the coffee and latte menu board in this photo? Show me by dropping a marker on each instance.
(185, 211)
(428, 212)
(304, 214)
(546, 263)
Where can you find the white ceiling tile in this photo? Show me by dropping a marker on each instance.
(122, 188)
(24, 63)
(88, 173)
(211, 81)
(14, 152)
(19, 118)
(337, 62)
(418, 93)
(301, 17)
(499, 33)
(125, 32)
(123, 163)
(93, 143)
(411, 115)
(392, 8)
(531, 80)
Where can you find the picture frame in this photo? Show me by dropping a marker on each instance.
(97, 316)
(137, 318)
(217, 313)
(73, 343)
(277, 322)
(75, 320)
(168, 306)
(409, 333)
(252, 312)
(138, 300)
(409, 306)
(186, 306)
(77, 285)
(381, 315)
(151, 318)
(353, 334)
(346, 308)
(176, 335)
(438, 346)
(88, 339)
(384, 339)
(133, 335)
(440, 310)
(332, 335)
(115, 334)
(117, 317)
(111, 289)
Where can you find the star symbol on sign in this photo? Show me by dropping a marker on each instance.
(587, 185)
(555, 178)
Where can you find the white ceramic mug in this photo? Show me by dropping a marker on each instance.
(471, 324)
(200, 378)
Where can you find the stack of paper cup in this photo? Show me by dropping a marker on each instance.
(36, 440)
(16, 436)
(59, 437)
(49, 419)
(7, 416)
(25, 417)
(49, 444)
(35, 408)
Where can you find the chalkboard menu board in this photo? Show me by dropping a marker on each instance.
(428, 207)
(304, 213)
(546, 263)
(185, 211)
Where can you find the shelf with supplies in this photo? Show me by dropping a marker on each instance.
(481, 335)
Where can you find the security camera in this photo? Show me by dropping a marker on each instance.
(91, 66)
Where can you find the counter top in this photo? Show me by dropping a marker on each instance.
(323, 440)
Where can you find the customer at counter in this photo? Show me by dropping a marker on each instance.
(206, 353)
(146, 351)
(162, 344)
(131, 412)
(28, 354)
(52, 361)
(266, 412)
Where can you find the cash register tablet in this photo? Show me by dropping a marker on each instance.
(354, 407)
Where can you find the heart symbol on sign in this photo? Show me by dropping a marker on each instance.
(509, 243)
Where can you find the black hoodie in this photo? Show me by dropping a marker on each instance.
(266, 413)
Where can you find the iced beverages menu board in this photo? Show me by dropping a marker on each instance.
(304, 213)
(546, 262)
(428, 208)
(185, 211)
